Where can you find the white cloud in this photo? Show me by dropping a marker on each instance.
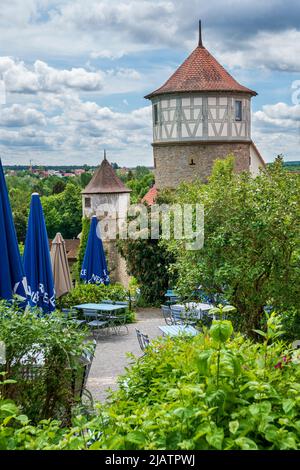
(17, 77)
(51, 79)
(278, 115)
(73, 125)
(246, 33)
(42, 78)
(276, 130)
(62, 46)
(20, 116)
(107, 54)
(269, 50)
(26, 137)
(20, 78)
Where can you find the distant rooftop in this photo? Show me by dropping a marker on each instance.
(150, 197)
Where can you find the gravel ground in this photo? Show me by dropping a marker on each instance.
(110, 359)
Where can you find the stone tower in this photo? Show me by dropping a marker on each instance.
(108, 198)
(200, 114)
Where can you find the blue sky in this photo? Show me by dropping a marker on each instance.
(76, 71)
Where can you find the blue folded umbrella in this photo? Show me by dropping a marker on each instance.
(12, 276)
(37, 261)
(94, 267)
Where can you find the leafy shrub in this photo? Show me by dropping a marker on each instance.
(251, 252)
(148, 260)
(291, 324)
(82, 247)
(208, 392)
(47, 391)
(92, 293)
(213, 391)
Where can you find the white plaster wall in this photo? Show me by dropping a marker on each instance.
(255, 161)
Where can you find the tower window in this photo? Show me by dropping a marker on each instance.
(87, 202)
(191, 162)
(238, 110)
(155, 110)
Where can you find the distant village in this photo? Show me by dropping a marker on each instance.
(60, 171)
(73, 171)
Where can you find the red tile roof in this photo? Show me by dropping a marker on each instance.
(105, 180)
(200, 72)
(150, 197)
(72, 247)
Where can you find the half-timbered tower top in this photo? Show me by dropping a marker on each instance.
(201, 113)
(201, 101)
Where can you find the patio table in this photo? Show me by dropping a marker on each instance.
(105, 312)
(198, 308)
(176, 330)
(100, 307)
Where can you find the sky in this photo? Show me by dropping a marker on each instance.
(74, 73)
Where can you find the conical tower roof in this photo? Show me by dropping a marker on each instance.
(105, 181)
(200, 72)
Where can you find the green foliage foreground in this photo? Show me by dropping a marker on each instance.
(251, 252)
(42, 392)
(213, 391)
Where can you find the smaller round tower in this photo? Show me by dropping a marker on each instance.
(108, 198)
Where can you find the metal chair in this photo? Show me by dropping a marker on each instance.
(91, 318)
(176, 315)
(80, 380)
(166, 311)
(143, 339)
(191, 316)
(121, 317)
(72, 314)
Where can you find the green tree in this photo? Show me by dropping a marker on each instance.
(63, 212)
(251, 252)
(85, 178)
(140, 187)
(148, 260)
(59, 186)
(83, 241)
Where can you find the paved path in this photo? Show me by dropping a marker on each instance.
(110, 359)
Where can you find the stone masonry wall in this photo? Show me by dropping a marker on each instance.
(173, 161)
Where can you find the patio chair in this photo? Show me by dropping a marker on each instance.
(95, 325)
(180, 316)
(121, 318)
(191, 316)
(116, 321)
(143, 339)
(166, 311)
(72, 315)
(80, 380)
(176, 315)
